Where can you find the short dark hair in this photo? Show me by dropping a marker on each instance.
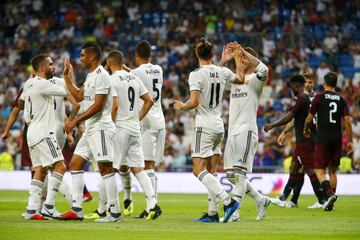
(297, 79)
(143, 49)
(37, 61)
(331, 79)
(94, 48)
(251, 51)
(204, 49)
(116, 57)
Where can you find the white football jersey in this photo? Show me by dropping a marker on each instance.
(152, 78)
(39, 95)
(210, 80)
(59, 102)
(98, 82)
(244, 101)
(128, 88)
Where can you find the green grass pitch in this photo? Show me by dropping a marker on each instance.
(175, 223)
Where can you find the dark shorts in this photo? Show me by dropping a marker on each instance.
(303, 153)
(327, 155)
(25, 154)
(68, 152)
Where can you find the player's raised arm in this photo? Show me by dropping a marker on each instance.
(75, 106)
(77, 93)
(240, 62)
(47, 88)
(226, 56)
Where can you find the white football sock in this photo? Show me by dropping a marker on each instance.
(147, 187)
(213, 201)
(65, 190)
(112, 193)
(77, 188)
(34, 201)
(240, 187)
(251, 191)
(53, 188)
(102, 196)
(212, 184)
(126, 182)
(153, 178)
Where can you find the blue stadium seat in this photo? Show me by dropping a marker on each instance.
(348, 71)
(314, 61)
(345, 60)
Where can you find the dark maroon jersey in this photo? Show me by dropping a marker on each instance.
(330, 107)
(300, 108)
(16, 101)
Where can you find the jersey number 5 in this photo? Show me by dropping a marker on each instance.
(217, 95)
(333, 110)
(155, 89)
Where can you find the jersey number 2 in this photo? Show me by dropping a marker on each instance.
(216, 93)
(333, 110)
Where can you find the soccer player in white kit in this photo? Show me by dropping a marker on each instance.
(127, 114)
(207, 85)
(242, 139)
(153, 124)
(38, 96)
(97, 141)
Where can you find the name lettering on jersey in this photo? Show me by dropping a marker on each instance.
(152, 71)
(127, 78)
(98, 71)
(53, 81)
(332, 97)
(238, 93)
(214, 75)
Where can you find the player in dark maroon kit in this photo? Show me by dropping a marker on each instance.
(330, 108)
(25, 155)
(302, 154)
